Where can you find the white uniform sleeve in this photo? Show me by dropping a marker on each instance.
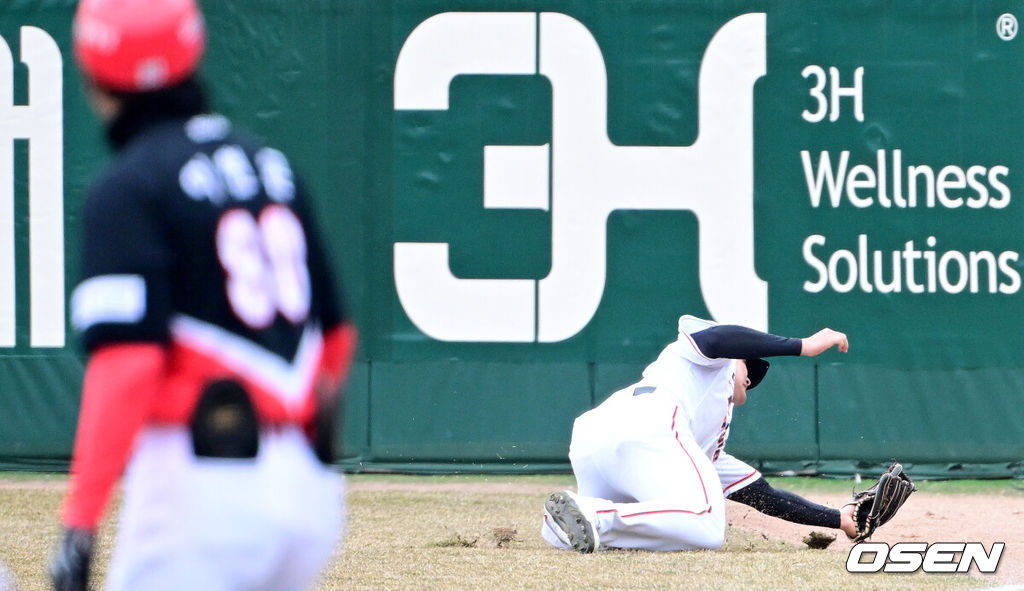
(734, 474)
(687, 347)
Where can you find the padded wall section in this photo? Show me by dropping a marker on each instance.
(474, 412)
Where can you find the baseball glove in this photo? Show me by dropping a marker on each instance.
(877, 505)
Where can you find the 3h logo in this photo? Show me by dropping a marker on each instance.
(589, 177)
(41, 123)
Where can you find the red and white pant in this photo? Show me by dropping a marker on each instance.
(648, 481)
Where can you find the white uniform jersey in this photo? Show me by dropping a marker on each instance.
(702, 387)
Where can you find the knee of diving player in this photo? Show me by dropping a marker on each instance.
(682, 526)
(703, 532)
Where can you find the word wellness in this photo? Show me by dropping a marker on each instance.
(951, 187)
(911, 269)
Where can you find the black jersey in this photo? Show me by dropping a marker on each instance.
(197, 231)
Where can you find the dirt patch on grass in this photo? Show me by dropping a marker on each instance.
(925, 518)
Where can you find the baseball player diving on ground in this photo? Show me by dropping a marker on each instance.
(650, 464)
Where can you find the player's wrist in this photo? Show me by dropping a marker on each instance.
(78, 517)
(846, 522)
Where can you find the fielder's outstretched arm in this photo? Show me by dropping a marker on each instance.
(790, 506)
(730, 341)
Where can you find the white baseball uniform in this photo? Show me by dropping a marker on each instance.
(164, 316)
(649, 460)
(187, 522)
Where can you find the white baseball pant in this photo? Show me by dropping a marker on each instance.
(216, 524)
(649, 484)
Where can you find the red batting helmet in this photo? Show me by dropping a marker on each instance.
(138, 45)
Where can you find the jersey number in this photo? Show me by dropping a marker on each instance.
(265, 262)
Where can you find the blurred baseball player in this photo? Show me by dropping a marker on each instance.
(216, 337)
(649, 461)
(6, 579)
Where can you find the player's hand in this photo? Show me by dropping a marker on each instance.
(822, 341)
(69, 566)
(324, 429)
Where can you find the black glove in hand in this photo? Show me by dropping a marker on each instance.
(875, 506)
(69, 566)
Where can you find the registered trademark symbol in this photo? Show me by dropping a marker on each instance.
(1006, 26)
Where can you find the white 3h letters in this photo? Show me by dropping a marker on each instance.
(589, 176)
(41, 122)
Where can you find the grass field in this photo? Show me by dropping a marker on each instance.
(482, 532)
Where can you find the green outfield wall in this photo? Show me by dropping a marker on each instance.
(522, 197)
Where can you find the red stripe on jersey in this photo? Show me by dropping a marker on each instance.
(740, 481)
(339, 349)
(190, 370)
(128, 385)
(693, 344)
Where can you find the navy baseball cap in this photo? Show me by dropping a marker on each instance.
(756, 369)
